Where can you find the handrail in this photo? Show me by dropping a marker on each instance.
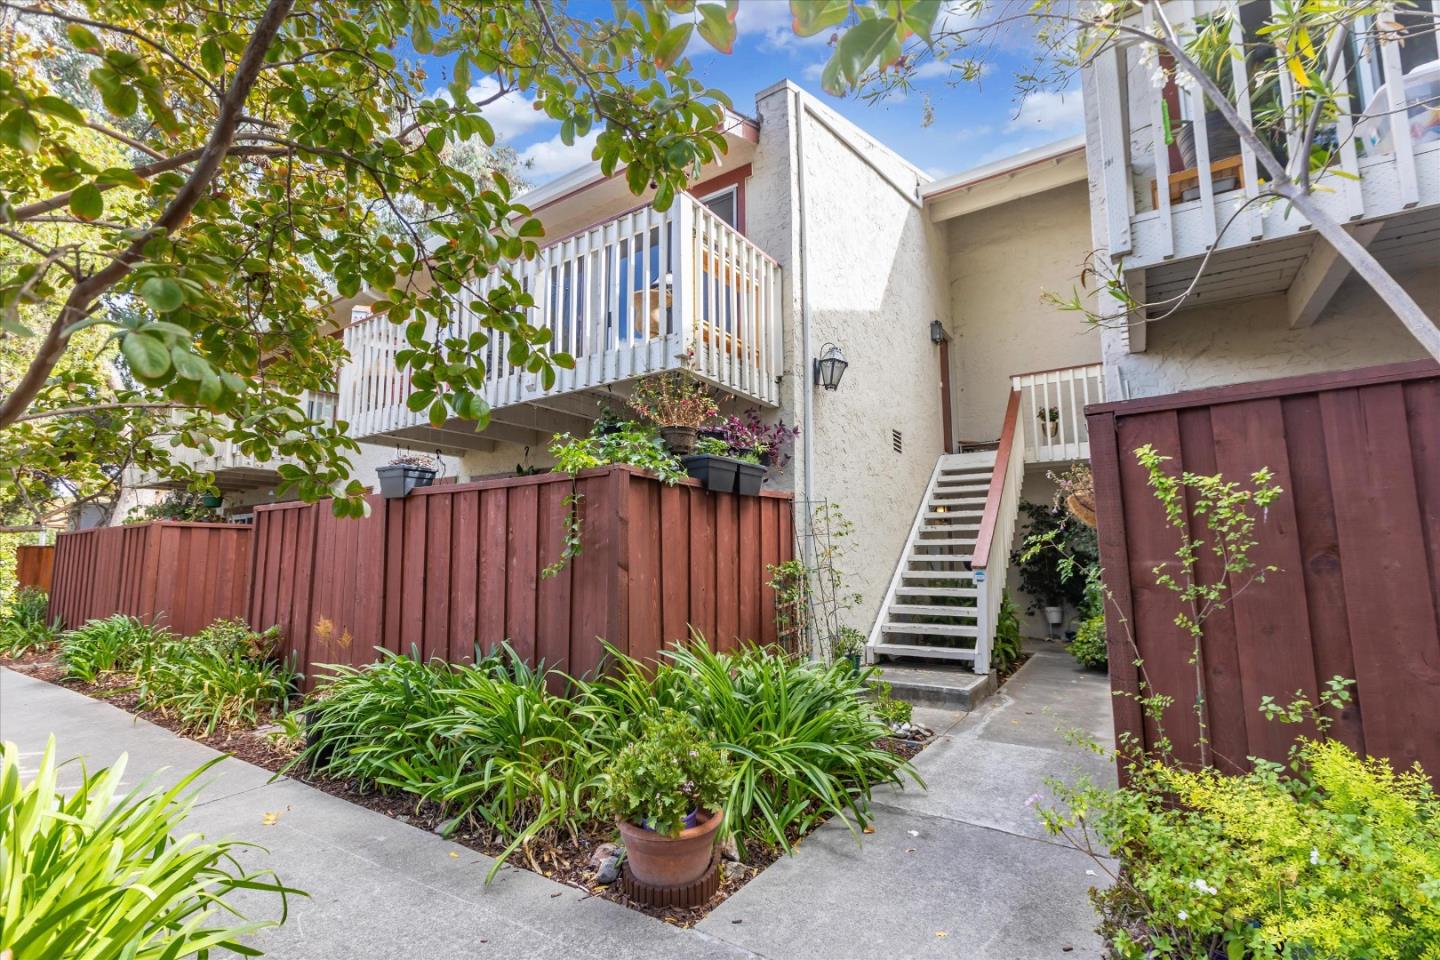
(990, 519)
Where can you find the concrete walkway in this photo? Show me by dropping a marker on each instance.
(959, 871)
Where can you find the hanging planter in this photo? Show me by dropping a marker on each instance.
(679, 440)
(213, 501)
(401, 476)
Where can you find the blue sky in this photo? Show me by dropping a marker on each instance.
(974, 123)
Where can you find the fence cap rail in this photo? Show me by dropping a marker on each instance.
(1262, 389)
(494, 483)
(158, 523)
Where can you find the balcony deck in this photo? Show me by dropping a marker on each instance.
(1159, 220)
(645, 292)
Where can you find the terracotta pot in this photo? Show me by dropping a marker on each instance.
(679, 440)
(662, 861)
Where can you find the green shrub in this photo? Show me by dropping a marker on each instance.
(113, 645)
(1006, 650)
(1088, 647)
(801, 737)
(666, 775)
(24, 625)
(888, 709)
(1339, 861)
(491, 745)
(96, 875)
(223, 676)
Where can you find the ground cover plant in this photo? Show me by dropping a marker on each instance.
(93, 874)
(25, 625)
(499, 752)
(224, 676)
(99, 648)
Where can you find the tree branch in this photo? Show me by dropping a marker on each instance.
(84, 293)
(92, 408)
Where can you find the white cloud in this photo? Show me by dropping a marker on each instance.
(548, 159)
(512, 115)
(1057, 113)
(769, 21)
(813, 71)
(977, 132)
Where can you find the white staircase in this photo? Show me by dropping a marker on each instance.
(943, 597)
(932, 607)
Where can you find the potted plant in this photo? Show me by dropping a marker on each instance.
(767, 442)
(406, 472)
(1050, 417)
(664, 791)
(711, 465)
(678, 404)
(847, 644)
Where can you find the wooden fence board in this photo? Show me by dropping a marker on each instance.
(453, 566)
(1355, 537)
(174, 574)
(35, 566)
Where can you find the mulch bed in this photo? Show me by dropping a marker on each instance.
(568, 862)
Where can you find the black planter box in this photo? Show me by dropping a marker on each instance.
(397, 480)
(716, 473)
(748, 478)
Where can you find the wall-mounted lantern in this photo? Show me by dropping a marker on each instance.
(830, 366)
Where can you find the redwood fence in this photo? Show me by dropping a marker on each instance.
(452, 567)
(181, 575)
(1355, 537)
(34, 566)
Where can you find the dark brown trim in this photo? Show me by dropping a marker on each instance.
(945, 409)
(1262, 389)
(980, 559)
(733, 178)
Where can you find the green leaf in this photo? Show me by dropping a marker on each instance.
(83, 40)
(435, 139)
(20, 131)
(56, 107)
(87, 202)
(146, 355)
(809, 17)
(163, 294)
(438, 413)
(863, 45)
(919, 17)
(672, 44)
(212, 57)
(717, 27)
(123, 102)
(61, 178)
(189, 366)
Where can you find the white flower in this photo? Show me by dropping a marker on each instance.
(1033, 799)
(1183, 915)
(1314, 857)
(1204, 887)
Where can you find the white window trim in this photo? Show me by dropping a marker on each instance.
(734, 191)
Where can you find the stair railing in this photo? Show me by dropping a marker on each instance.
(904, 560)
(991, 560)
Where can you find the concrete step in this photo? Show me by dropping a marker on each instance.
(947, 686)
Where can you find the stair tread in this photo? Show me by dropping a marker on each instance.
(936, 575)
(934, 629)
(944, 542)
(937, 591)
(932, 610)
(920, 650)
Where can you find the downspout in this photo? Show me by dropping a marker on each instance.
(807, 361)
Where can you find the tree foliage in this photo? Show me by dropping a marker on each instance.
(263, 162)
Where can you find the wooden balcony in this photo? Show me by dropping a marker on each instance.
(1052, 411)
(645, 292)
(1161, 215)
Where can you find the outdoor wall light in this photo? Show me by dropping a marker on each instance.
(830, 366)
(937, 332)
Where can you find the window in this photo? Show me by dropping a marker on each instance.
(725, 205)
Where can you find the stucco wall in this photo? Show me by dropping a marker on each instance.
(1251, 340)
(1001, 261)
(877, 280)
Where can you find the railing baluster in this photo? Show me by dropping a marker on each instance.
(1254, 217)
(1161, 151)
(1399, 114)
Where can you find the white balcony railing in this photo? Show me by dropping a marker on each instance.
(645, 292)
(1052, 411)
(1174, 175)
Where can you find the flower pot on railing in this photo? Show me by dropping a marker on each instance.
(397, 480)
(716, 474)
(748, 478)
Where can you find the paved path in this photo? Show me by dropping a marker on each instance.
(960, 871)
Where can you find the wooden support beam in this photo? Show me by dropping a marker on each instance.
(1321, 275)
